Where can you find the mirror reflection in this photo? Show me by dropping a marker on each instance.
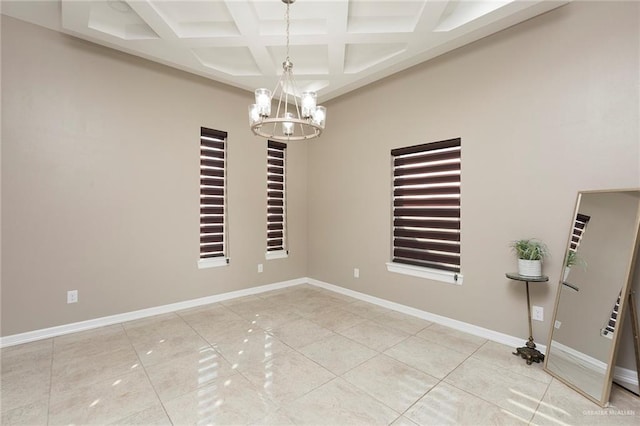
(592, 290)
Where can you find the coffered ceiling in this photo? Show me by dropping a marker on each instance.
(336, 45)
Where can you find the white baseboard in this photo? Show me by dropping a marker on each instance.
(60, 330)
(475, 330)
(448, 322)
(586, 360)
(627, 378)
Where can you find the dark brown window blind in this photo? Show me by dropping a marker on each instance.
(578, 230)
(213, 242)
(426, 205)
(610, 327)
(276, 196)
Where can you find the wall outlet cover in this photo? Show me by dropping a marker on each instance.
(72, 296)
(537, 313)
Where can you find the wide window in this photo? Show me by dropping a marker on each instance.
(426, 210)
(276, 200)
(213, 223)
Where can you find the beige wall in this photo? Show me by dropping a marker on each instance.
(544, 109)
(100, 183)
(100, 151)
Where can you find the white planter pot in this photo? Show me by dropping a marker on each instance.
(530, 268)
(566, 273)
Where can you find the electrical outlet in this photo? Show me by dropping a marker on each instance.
(557, 325)
(538, 313)
(356, 273)
(72, 296)
(260, 268)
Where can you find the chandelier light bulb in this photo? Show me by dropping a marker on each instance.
(319, 116)
(263, 100)
(308, 104)
(287, 126)
(254, 114)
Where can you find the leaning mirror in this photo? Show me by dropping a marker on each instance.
(592, 293)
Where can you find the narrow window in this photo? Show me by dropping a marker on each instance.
(276, 200)
(582, 220)
(213, 223)
(426, 210)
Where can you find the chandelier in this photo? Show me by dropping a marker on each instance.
(294, 119)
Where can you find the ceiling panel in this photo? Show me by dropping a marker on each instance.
(335, 45)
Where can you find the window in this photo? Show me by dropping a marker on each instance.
(276, 200)
(213, 223)
(582, 220)
(426, 211)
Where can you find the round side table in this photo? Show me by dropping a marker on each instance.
(528, 351)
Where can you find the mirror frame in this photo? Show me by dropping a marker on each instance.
(608, 379)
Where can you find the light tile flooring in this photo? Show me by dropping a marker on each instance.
(301, 355)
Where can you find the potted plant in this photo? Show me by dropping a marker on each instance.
(572, 259)
(530, 254)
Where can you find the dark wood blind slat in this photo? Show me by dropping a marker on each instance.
(212, 163)
(426, 264)
(441, 168)
(426, 245)
(212, 133)
(276, 145)
(211, 238)
(426, 256)
(205, 220)
(211, 172)
(211, 145)
(208, 229)
(431, 146)
(211, 248)
(425, 180)
(425, 234)
(431, 202)
(418, 212)
(211, 210)
(583, 218)
(443, 190)
(420, 223)
(212, 191)
(210, 255)
(428, 157)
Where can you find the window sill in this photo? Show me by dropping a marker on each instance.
(213, 262)
(280, 254)
(429, 273)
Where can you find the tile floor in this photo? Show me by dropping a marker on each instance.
(296, 356)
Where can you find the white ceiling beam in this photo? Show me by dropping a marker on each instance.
(249, 26)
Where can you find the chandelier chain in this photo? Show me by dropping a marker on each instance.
(286, 17)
